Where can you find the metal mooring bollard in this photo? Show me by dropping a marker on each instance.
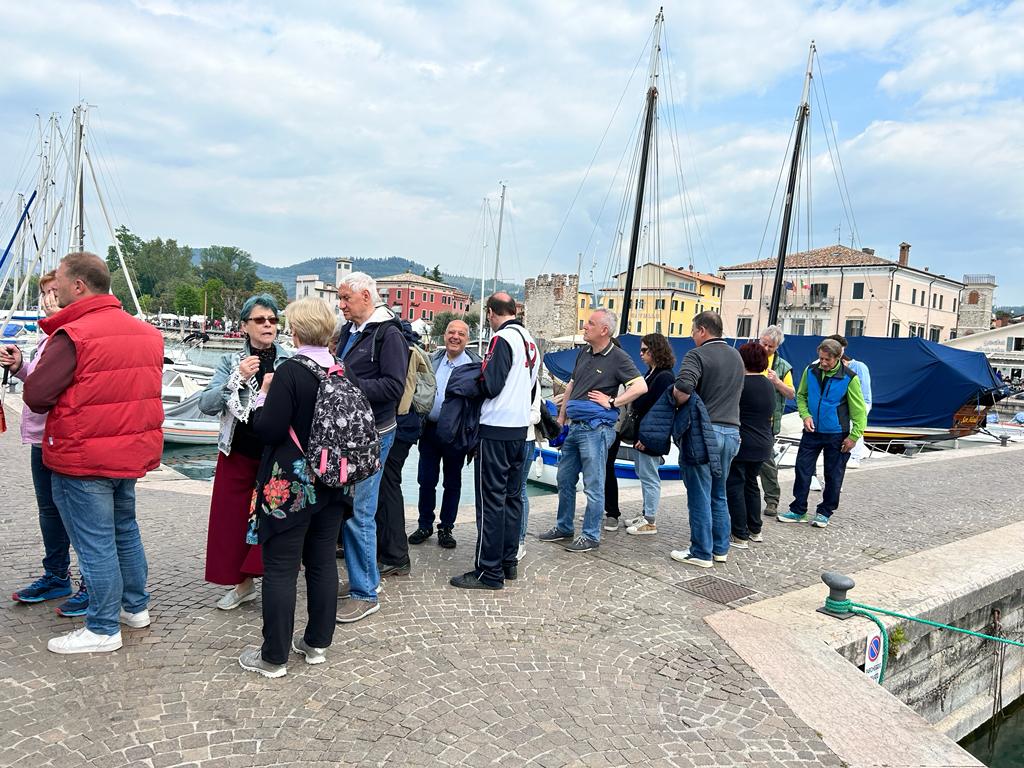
(1004, 440)
(838, 586)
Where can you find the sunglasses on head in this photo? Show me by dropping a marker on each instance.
(263, 320)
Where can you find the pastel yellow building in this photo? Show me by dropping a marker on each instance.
(584, 308)
(664, 299)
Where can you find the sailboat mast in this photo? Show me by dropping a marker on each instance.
(484, 212)
(497, 245)
(802, 113)
(652, 100)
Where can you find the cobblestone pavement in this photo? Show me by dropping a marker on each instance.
(593, 660)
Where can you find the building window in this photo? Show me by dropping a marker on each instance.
(797, 327)
(819, 292)
(817, 327)
(412, 313)
(894, 332)
(748, 291)
(854, 328)
(581, 325)
(431, 298)
(935, 298)
(423, 315)
(973, 297)
(398, 293)
(743, 328)
(638, 303)
(657, 326)
(583, 303)
(913, 296)
(922, 298)
(672, 329)
(934, 333)
(858, 290)
(639, 327)
(954, 305)
(897, 298)
(675, 305)
(940, 301)
(611, 303)
(659, 304)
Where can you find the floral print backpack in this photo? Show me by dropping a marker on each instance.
(344, 446)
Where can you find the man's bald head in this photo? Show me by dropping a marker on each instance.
(456, 336)
(500, 309)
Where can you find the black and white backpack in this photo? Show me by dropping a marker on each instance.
(344, 446)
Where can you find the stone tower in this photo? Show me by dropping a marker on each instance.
(976, 304)
(342, 269)
(550, 305)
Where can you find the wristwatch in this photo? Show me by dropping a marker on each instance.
(611, 402)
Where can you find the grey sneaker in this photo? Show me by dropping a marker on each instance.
(232, 599)
(554, 534)
(313, 655)
(351, 610)
(582, 544)
(252, 660)
(771, 510)
(611, 523)
(758, 537)
(738, 543)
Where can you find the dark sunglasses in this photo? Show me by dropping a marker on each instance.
(263, 320)
(643, 349)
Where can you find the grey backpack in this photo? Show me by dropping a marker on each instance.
(344, 446)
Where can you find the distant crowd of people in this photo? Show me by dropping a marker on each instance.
(314, 438)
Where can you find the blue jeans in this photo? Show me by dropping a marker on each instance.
(650, 482)
(812, 444)
(56, 544)
(585, 450)
(528, 450)
(360, 531)
(706, 498)
(99, 515)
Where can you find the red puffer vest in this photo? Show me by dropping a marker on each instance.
(108, 422)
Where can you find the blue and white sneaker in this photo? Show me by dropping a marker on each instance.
(77, 604)
(792, 517)
(47, 587)
(820, 521)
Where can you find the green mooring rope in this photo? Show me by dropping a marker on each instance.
(868, 611)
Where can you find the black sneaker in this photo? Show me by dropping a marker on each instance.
(582, 544)
(511, 572)
(420, 535)
(554, 534)
(445, 538)
(394, 569)
(470, 581)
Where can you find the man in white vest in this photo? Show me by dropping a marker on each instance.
(508, 376)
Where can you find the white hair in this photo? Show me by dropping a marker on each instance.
(608, 318)
(360, 281)
(774, 332)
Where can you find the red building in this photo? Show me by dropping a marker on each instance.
(417, 298)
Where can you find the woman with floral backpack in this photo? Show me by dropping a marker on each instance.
(294, 516)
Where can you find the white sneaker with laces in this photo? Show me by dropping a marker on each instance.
(684, 556)
(135, 620)
(643, 529)
(636, 521)
(84, 641)
(522, 551)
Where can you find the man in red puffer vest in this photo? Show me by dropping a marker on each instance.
(99, 379)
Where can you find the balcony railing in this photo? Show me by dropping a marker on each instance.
(808, 303)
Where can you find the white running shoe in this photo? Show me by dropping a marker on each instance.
(84, 641)
(522, 551)
(135, 620)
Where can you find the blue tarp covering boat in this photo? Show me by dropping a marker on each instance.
(915, 383)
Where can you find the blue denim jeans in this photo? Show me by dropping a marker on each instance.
(99, 515)
(360, 531)
(812, 445)
(706, 497)
(529, 448)
(650, 482)
(56, 544)
(585, 451)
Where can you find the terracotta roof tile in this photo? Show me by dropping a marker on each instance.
(829, 256)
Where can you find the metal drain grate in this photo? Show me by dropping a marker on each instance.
(716, 589)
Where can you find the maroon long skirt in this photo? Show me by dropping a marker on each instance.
(229, 559)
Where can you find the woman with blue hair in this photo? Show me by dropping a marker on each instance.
(233, 557)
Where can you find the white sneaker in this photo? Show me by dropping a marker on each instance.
(232, 599)
(522, 551)
(758, 537)
(643, 529)
(720, 558)
(135, 620)
(684, 556)
(636, 521)
(84, 641)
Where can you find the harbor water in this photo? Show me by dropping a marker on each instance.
(1000, 743)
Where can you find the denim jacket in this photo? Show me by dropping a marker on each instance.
(213, 400)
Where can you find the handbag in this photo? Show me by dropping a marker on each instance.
(629, 426)
(548, 428)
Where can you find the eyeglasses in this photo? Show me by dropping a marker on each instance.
(643, 349)
(263, 320)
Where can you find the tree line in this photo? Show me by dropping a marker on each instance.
(167, 280)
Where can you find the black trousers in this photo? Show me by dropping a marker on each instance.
(312, 543)
(611, 483)
(744, 497)
(392, 544)
(438, 463)
(499, 507)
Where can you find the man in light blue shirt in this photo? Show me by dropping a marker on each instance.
(860, 450)
(435, 455)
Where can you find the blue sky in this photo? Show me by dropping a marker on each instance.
(308, 128)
